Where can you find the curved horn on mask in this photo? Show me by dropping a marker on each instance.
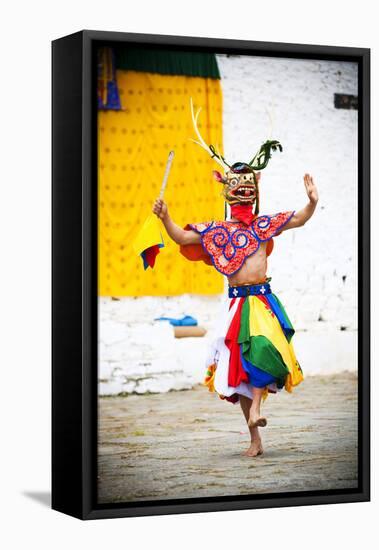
(260, 161)
(211, 150)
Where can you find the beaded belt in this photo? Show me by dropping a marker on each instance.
(249, 290)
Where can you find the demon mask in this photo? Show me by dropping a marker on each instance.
(240, 180)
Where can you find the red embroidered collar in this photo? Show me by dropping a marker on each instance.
(228, 244)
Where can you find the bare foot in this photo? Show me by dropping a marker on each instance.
(256, 420)
(255, 449)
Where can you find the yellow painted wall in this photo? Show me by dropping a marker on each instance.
(133, 148)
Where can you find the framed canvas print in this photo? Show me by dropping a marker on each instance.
(211, 281)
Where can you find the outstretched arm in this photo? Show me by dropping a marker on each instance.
(177, 234)
(303, 215)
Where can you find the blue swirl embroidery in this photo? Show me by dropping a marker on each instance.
(230, 241)
(263, 222)
(221, 239)
(236, 238)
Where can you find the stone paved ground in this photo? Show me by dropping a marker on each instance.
(188, 443)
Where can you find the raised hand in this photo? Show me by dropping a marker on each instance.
(311, 189)
(160, 208)
(177, 234)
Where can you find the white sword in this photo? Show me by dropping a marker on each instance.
(167, 171)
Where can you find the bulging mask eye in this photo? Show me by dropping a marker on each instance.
(233, 182)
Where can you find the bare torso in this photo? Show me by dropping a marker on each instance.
(253, 270)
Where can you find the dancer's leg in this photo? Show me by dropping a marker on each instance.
(255, 418)
(256, 447)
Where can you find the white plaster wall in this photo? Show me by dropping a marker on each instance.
(313, 268)
(138, 354)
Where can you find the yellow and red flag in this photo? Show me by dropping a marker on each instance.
(149, 239)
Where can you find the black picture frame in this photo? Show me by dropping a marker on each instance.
(74, 273)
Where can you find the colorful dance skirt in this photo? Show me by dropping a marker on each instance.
(252, 347)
